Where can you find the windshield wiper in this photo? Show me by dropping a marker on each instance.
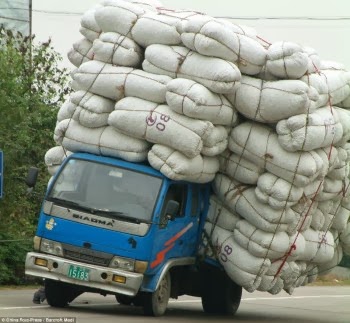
(69, 203)
(115, 215)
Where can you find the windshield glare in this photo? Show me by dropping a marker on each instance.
(107, 188)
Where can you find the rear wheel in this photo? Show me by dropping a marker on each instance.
(60, 294)
(155, 303)
(221, 295)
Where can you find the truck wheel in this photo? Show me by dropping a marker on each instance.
(59, 294)
(124, 299)
(155, 303)
(221, 296)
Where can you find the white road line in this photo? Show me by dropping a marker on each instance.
(190, 301)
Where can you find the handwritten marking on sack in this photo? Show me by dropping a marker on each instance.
(151, 120)
(226, 251)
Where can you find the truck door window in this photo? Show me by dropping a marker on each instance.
(178, 193)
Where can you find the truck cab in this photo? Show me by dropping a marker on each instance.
(114, 227)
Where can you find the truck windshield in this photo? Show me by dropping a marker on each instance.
(106, 190)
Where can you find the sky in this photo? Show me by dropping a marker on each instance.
(322, 25)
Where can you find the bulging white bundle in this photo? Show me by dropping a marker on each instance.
(117, 49)
(175, 165)
(260, 243)
(243, 201)
(344, 119)
(218, 38)
(241, 266)
(54, 158)
(277, 192)
(115, 82)
(156, 28)
(220, 215)
(341, 165)
(91, 110)
(345, 239)
(216, 142)
(271, 101)
(119, 16)
(194, 100)
(319, 246)
(105, 141)
(159, 124)
(333, 189)
(341, 214)
(239, 168)
(321, 128)
(289, 60)
(259, 144)
(319, 215)
(331, 85)
(326, 268)
(88, 25)
(218, 75)
(81, 52)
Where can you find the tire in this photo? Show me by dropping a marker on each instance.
(155, 304)
(124, 299)
(59, 294)
(221, 296)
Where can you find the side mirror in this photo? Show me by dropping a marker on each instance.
(32, 177)
(171, 210)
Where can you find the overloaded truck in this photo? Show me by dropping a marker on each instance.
(110, 226)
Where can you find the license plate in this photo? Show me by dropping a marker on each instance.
(79, 273)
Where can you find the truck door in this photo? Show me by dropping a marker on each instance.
(176, 238)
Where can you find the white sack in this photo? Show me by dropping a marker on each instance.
(54, 158)
(242, 267)
(66, 110)
(81, 52)
(310, 131)
(89, 27)
(277, 192)
(333, 189)
(341, 166)
(220, 215)
(239, 168)
(100, 141)
(319, 246)
(156, 28)
(259, 144)
(327, 267)
(175, 165)
(216, 143)
(287, 60)
(118, 16)
(117, 82)
(341, 213)
(159, 124)
(242, 200)
(117, 49)
(331, 85)
(194, 100)
(260, 243)
(271, 101)
(218, 38)
(345, 239)
(91, 110)
(344, 119)
(218, 75)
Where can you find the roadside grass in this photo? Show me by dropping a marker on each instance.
(330, 280)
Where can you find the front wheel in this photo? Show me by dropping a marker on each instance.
(59, 294)
(155, 303)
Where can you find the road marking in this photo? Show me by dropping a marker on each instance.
(185, 301)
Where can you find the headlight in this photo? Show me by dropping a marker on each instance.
(123, 263)
(129, 264)
(52, 247)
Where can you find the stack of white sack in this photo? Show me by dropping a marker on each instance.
(205, 99)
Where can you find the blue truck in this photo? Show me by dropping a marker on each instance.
(114, 227)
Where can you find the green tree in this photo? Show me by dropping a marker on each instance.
(32, 88)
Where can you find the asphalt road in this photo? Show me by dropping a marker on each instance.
(306, 305)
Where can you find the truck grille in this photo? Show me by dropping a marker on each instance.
(86, 255)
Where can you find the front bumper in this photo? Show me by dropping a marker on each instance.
(99, 277)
